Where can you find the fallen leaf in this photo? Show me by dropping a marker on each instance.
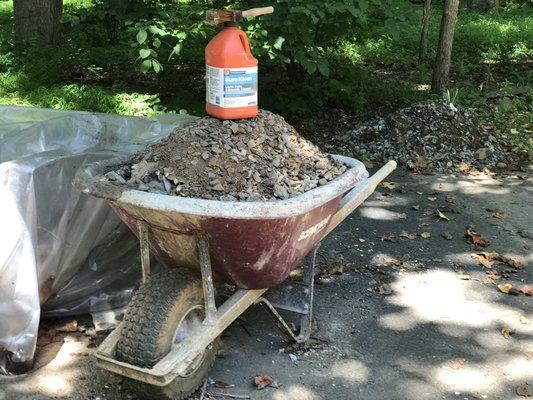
(425, 235)
(491, 277)
(447, 235)
(388, 185)
(416, 208)
(507, 332)
(337, 269)
(409, 236)
(432, 198)
(262, 381)
(525, 390)
(486, 258)
(223, 385)
(385, 289)
(513, 262)
(527, 290)
(497, 215)
(455, 363)
(475, 238)
(524, 320)
(450, 199)
(505, 287)
(392, 261)
(440, 215)
(428, 211)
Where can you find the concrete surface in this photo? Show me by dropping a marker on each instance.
(436, 336)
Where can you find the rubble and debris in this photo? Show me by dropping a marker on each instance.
(262, 158)
(428, 137)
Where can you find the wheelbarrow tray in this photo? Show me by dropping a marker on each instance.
(253, 245)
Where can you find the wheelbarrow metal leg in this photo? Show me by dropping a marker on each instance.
(309, 281)
(145, 249)
(207, 280)
(301, 303)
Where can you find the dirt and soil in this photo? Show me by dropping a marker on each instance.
(263, 158)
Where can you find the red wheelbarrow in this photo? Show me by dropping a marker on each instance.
(168, 339)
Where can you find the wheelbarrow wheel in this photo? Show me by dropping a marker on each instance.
(161, 314)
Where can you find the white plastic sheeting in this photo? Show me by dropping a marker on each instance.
(61, 252)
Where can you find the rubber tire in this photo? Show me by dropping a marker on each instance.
(149, 326)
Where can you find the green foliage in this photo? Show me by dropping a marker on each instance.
(301, 31)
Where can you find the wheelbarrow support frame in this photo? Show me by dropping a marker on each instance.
(217, 320)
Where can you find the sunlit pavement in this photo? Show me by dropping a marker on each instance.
(434, 331)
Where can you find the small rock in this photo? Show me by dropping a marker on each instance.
(482, 153)
(115, 177)
(280, 191)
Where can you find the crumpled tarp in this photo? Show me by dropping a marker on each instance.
(61, 252)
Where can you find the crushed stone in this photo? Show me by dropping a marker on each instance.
(431, 136)
(262, 158)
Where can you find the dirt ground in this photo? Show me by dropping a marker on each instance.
(434, 332)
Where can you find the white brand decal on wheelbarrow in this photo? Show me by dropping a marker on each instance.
(314, 229)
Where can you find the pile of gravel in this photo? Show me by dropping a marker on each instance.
(262, 158)
(432, 136)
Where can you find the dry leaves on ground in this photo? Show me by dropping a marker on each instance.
(337, 269)
(507, 333)
(450, 198)
(491, 277)
(385, 289)
(388, 185)
(263, 380)
(508, 289)
(475, 238)
(486, 258)
(407, 235)
(525, 390)
(496, 214)
(425, 235)
(455, 364)
(527, 290)
(441, 215)
(505, 287)
(447, 235)
(387, 260)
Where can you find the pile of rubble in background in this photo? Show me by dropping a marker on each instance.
(432, 136)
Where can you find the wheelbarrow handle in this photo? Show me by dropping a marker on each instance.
(358, 194)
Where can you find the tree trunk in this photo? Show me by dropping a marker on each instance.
(423, 49)
(444, 50)
(37, 21)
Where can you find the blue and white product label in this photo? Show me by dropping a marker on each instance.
(231, 87)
